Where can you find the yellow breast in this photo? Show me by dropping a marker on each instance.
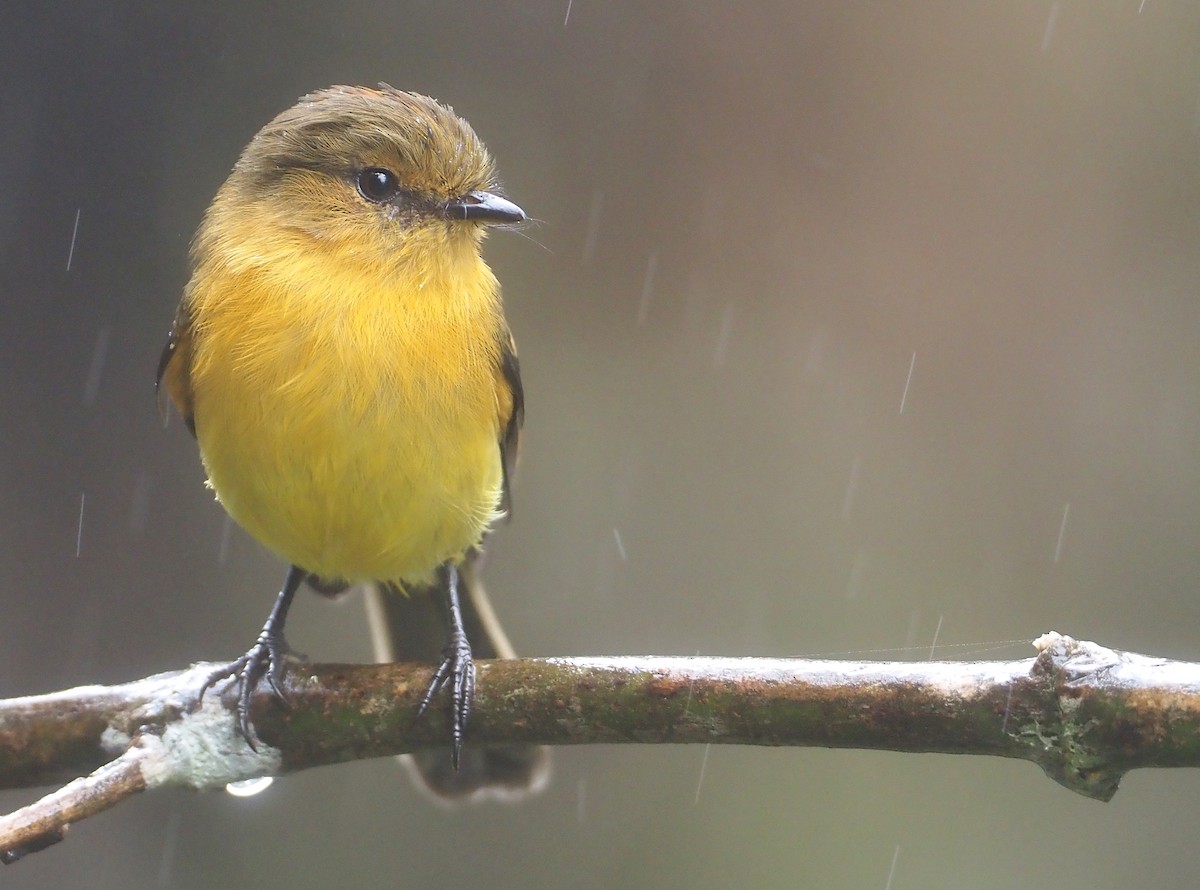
(348, 418)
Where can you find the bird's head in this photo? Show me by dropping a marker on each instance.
(373, 173)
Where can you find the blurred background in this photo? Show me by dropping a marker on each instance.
(847, 329)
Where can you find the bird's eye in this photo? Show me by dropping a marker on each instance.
(377, 184)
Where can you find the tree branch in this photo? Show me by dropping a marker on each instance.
(1084, 713)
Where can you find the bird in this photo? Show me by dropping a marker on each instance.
(342, 357)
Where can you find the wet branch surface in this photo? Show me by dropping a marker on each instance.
(1084, 713)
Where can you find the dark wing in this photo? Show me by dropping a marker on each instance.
(510, 372)
(174, 368)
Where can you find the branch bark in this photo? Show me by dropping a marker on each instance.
(1084, 713)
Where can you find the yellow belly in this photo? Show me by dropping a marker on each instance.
(357, 444)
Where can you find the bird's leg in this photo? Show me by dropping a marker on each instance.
(264, 659)
(457, 670)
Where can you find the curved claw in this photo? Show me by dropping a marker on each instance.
(456, 671)
(263, 660)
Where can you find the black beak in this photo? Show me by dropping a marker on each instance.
(485, 207)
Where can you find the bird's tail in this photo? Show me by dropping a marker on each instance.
(413, 628)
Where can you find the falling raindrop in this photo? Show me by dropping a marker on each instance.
(647, 288)
(79, 527)
(703, 769)
(687, 702)
(904, 397)
(1062, 529)
(937, 631)
(91, 386)
(74, 234)
(620, 544)
(1007, 709)
(166, 865)
(1048, 34)
(892, 870)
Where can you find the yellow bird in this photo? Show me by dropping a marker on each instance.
(342, 357)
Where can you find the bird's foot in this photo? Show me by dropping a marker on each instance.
(264, 660)
(456, 672)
